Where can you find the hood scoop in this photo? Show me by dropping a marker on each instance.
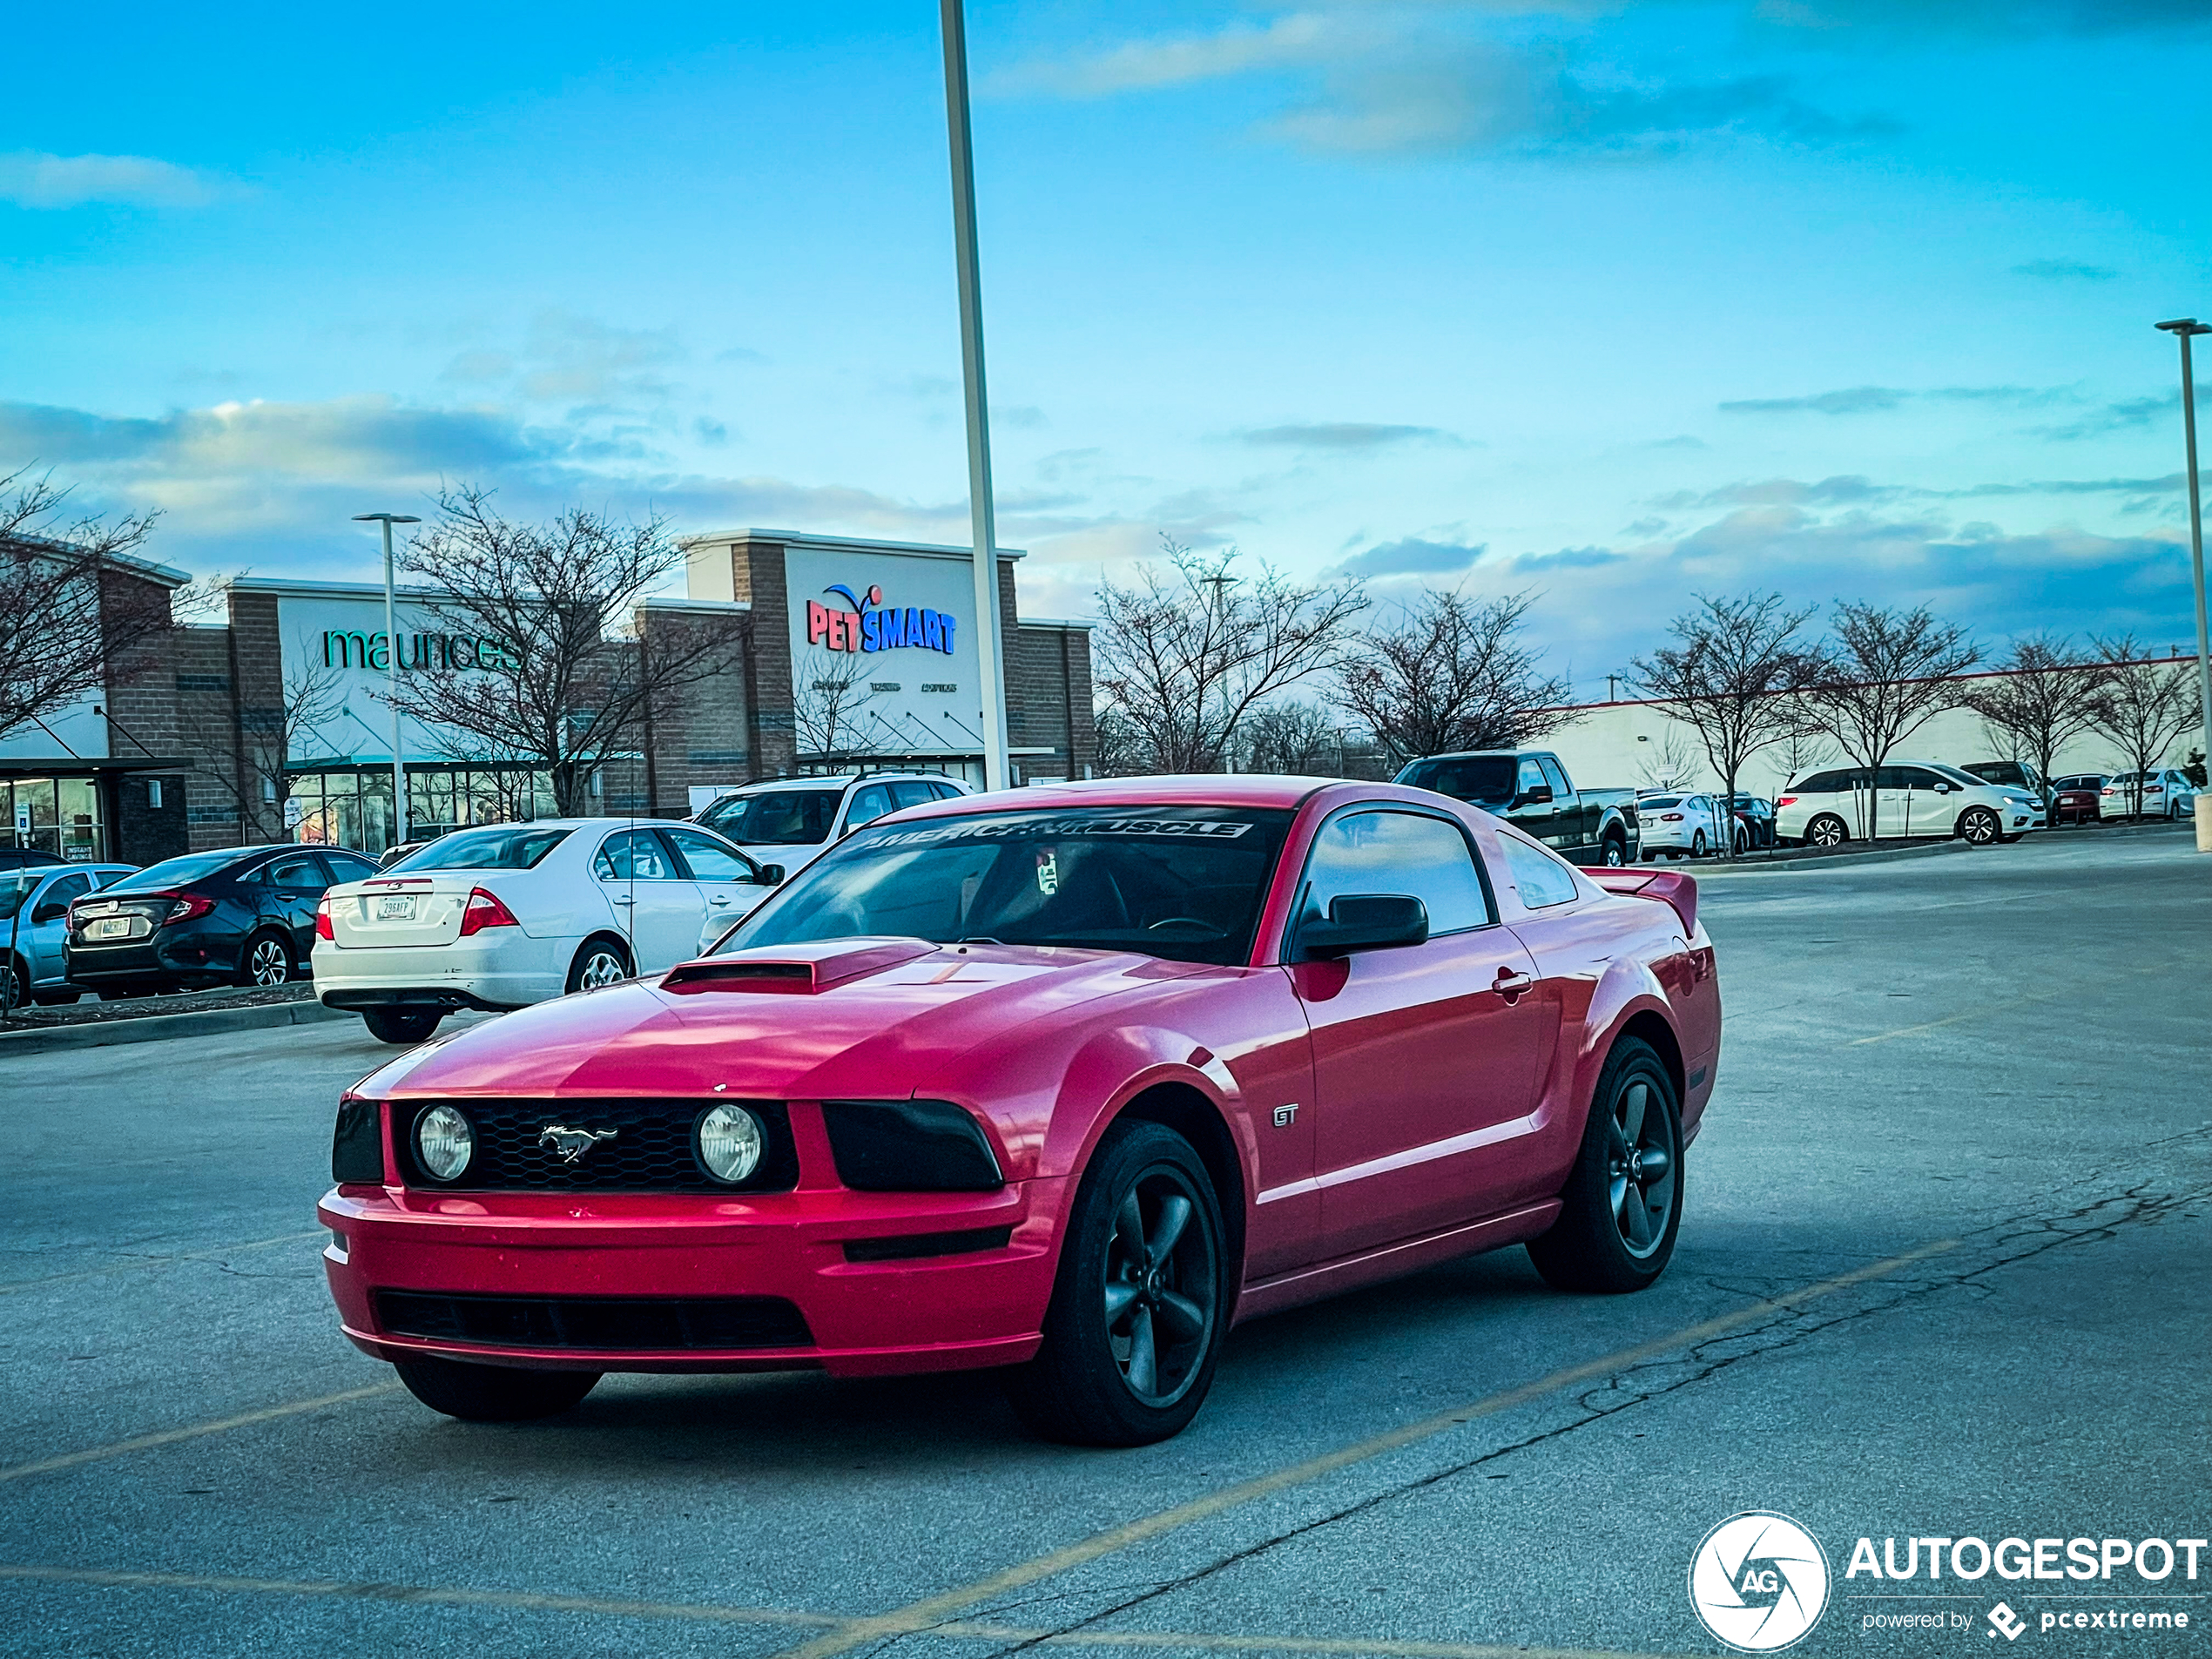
(803, 970)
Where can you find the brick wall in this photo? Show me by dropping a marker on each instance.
(1048, 696)
(757, 579)
(699, 733)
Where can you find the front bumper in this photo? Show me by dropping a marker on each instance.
(977, 1308)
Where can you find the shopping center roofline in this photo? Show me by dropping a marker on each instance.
(861, 543)
(168, 576)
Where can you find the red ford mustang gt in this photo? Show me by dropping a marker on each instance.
(1066, 1081)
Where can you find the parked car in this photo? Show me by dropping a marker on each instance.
(34, 926)
(242, 917)
(509, 915)
(2018, 774)
(1530, 790)
(1836, 805)
(1679, 826)
(794, 820)
(23, 858)
(2165, 792)
(1754, 821)
(2079, 797)
(1000, 1083)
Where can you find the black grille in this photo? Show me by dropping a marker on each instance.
(650, 1150)
(595, 1322)
(907, 1247)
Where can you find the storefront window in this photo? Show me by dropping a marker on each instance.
(57, 815)
(355, 808)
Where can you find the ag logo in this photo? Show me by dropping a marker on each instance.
(1759, 1581)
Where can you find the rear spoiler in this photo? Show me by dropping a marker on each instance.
(1670, 886)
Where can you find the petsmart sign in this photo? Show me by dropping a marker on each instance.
(866, 623)
(888, 639)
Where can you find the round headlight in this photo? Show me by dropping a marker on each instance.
(729, 1143)
(444, 1142)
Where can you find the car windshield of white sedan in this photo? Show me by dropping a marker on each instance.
(776, 817)
(1181, 882)
(505, 846)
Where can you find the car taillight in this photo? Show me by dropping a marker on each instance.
(187, 905)
(1787, 800)
(1670, 818)
(323, 929)
(484, 911)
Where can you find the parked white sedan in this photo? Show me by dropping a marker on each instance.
(2166, 793)
(1676, 825)
(514, 914)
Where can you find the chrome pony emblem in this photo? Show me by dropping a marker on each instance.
(573, 1144)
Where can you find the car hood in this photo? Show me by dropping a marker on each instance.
(871, 1018)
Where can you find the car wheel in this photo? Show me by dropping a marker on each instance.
(600, 962)
(1827, 830)
(493, 1393)
(12, 982)
(1741, 843)
(1698, 845)
(267, 959)
(1978, 826)
(1622, 1206)
(402, 1025)
(1140, 1303)
(1616, 853)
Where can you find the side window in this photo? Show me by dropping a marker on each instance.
(914, 793)
(70, 887)
(1821, 783)
(1398, 853)
(634, 855)
(1531, 776)
(346, 868)
(1560, 788)
(1921, 778)
(709, 858)
(299, 872)
(946, 791)
(1541, 879)
(868, 805)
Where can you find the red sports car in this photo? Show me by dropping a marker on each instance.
(1067, 1082)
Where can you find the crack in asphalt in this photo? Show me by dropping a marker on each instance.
(2008, 1242)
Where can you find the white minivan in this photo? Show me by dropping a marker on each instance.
(1911, 797)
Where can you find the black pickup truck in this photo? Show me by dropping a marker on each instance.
(1529, 789)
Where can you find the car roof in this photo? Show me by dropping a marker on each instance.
(837, 780)
(1250, 790)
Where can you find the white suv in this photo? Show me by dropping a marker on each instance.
(794, 820)
(1835, 805)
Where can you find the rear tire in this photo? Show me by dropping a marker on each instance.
(1615, 854)
(1827, 830)
(599, 960)
(1141, 1301)
(1698, 845)
(1622, 1206)
(265, 960)
(402, 1025)
(493, 1393)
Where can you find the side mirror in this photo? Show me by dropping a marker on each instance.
(771, 875)
(1367, 921)
(1537, 797)
(46, 912)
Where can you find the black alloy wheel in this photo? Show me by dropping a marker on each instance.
(402, 1025)
(1622, 1206)
(267, 960)
(493, 1393)
(1827, 830)
(1138, 1312)
(1978, 826)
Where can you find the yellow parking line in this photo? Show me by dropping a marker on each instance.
(159, 1261)
(170, 1436)
(696, 1612)
(929, 1611)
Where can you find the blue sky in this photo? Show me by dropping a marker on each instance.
(1616, 302)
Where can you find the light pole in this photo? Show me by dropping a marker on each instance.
(2185, 330)
(990, 656)
(392, 670)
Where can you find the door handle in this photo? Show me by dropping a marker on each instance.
(1509, 984)
(612, 901)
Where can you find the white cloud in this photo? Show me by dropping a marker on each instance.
(33, 179)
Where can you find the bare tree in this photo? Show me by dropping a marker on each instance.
(1123, 751)
(1733, 676)
(262, 740)
(67, 626)
(1887, 675)
(1187, 653)
(1671, 763)
(1454, 673)
(827, 713)
(1803, 748)
(2046, 694)
(2146, 705)
(1298, 739)
(549, 676)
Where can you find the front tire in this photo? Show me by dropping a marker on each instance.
(408, 1026)
(493, 1393)
(1141, 1302)
(1622, 1206)
(1978, 826)
(600, 961)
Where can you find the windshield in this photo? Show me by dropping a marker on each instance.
(171, 872)
(776, 817)
(1465, 777)
(1181, 882)
(508, 846)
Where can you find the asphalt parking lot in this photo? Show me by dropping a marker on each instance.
(1943, 1272)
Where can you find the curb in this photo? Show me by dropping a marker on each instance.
(154, 1027)
(1840, 861)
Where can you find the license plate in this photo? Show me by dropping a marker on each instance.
(109, 927)
(395, 906)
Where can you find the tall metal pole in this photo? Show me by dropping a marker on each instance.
(392, 670)
(2185, 328)
(990, 654)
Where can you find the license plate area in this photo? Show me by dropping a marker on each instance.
(395, 906)
(116, 927)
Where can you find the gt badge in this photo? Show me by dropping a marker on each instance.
(573, 1144)
(1285, 1116)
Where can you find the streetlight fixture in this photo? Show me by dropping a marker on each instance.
(2185, 330)
(990, 654)
(392, 670)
